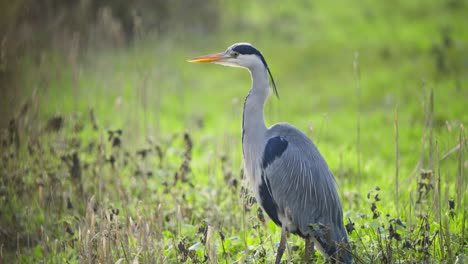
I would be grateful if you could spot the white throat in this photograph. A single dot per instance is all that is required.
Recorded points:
(253, 123)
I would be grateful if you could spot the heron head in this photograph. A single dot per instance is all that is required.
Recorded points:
(240, 55)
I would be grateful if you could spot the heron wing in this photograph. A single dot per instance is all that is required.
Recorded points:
(300, 183)
(273, 150)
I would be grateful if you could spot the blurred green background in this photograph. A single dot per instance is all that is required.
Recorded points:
(347, 73)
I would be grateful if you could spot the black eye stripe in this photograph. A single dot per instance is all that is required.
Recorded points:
(246, 49)
(251, 50)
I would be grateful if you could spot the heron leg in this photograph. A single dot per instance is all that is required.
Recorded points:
(282, 245)
(309, 247)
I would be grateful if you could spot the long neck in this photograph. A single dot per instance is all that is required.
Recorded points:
(253, 123)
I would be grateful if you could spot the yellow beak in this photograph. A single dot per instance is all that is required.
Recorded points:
(208, 58)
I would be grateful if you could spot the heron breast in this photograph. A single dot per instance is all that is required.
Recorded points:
(266, 200)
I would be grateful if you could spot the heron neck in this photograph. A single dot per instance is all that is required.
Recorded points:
(253, 125)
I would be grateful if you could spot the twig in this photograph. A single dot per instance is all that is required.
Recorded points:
(397, 163)
(358, 143)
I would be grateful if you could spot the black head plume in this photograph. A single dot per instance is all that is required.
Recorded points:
(248, 49)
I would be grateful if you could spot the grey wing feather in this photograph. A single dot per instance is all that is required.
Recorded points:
(303, 186)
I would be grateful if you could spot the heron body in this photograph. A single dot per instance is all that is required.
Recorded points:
(290, 178)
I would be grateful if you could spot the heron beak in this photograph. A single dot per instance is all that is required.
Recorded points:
(209, 58)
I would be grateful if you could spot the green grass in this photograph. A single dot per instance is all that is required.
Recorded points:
(150, 92)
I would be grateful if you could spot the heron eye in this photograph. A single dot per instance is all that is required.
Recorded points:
(235, 54)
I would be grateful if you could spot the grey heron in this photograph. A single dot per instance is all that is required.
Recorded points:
(290, 178)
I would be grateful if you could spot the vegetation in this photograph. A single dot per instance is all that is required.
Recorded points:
(121, 152)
